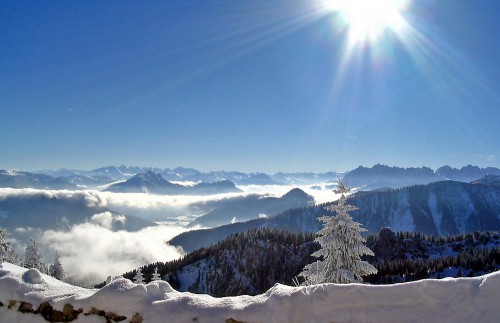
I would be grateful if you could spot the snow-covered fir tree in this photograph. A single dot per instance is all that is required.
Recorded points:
(139, 278)
(33, 258)
(56, 269)
(6, 251)
(341, 247)
(156, 275)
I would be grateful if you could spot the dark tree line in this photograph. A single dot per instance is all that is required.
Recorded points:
(252, 262)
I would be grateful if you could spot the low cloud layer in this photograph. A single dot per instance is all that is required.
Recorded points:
(162, 207)
(91, 251)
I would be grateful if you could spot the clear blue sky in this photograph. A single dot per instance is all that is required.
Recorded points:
(246, 85)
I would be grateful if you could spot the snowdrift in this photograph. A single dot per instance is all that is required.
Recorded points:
(446, 300)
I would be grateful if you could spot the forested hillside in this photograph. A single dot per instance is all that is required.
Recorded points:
(252, 262)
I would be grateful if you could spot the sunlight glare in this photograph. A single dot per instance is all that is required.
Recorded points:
(367, 20)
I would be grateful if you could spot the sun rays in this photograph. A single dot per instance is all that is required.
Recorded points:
(367, 21)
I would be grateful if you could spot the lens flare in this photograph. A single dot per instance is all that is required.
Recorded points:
(368, 20)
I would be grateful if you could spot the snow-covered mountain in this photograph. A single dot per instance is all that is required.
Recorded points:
(28, 296)
(251, 207)
(441, 208)
(19, 179)
(467, 173)
(151, 182)
(378, 176)
(382, 176)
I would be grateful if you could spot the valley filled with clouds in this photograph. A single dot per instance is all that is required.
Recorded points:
(116, 232)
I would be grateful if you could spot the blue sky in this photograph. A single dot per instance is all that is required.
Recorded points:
(246, 85)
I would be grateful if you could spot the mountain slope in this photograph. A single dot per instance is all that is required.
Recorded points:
(253, 261)
(247, 263)
(489, 180)
(441, 208)
(252, 206)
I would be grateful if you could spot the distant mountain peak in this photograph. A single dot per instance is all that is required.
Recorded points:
(152, 182)
(296, 193)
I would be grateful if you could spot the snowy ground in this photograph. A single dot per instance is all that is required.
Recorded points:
(446, 300)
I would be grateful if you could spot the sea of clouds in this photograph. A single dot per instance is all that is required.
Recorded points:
(92, 250)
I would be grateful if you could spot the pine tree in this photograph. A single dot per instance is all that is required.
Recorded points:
(33, 258)
(138, 278)
(6, 251)
(341, 247)
(156, 275)
(56, 269)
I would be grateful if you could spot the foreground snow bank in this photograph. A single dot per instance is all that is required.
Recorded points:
(446, 300)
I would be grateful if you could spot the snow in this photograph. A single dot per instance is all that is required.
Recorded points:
(446, 300)
(437, 216)
(401, 219)
(32, 276)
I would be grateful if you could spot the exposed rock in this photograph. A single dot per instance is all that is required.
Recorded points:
(137, 318)
(47, 311)
(12, 303)
(69, 313)
(109, 316)
(25, 307)
(115, 317)
(231, 320)
(95, 311)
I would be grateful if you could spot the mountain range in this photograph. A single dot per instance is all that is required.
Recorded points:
(151, 182)
(368, 178)
(382, 176)
(109, 174)
(440, 208)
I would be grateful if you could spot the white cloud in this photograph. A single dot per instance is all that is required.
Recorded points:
(319, 191)
(161, 207)
(90, 252)
(106, 219)
(90, 198)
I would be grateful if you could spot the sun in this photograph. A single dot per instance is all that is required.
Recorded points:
(368, 20)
